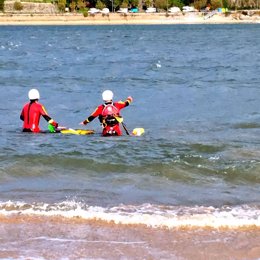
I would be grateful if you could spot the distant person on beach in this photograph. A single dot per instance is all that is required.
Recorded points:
(208, 8)
(32, 112)
(109, 114)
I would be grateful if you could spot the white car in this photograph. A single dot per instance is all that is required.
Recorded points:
(105, 11)
(150, 10)
(174, 9)
(188, 9)
(123, 10)
(94, 11)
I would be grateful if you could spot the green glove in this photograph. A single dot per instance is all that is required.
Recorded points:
(51, 128)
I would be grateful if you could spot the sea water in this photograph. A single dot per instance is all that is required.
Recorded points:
(189, 188)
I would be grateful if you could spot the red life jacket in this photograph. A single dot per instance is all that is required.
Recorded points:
(109, 114)
(109, 110)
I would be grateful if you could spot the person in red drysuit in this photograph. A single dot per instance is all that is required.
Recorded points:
(32, 112)
(109, 114)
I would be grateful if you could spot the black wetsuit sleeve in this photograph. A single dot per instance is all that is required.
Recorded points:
(47, 118)
(89, 119)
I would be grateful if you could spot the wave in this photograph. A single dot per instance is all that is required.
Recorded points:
(150, 215)
(247, 125)
(201, 162)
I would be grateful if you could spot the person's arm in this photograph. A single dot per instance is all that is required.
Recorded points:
(47, 117)
(22, 116)
(128, 101)
(96, 113)
(88, 120)
(50, 121)
(125, 103)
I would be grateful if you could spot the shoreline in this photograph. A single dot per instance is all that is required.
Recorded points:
(76, 238)
(124, 19)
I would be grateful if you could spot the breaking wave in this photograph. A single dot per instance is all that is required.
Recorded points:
(154, 216)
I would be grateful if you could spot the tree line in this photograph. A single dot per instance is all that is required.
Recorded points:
(160, 5)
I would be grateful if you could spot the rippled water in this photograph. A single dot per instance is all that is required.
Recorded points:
(196, 93)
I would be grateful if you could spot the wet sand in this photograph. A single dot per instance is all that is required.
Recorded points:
(57, 238)
(117, 18)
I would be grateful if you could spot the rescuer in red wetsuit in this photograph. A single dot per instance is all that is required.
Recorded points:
(109, 114)
(32, 112)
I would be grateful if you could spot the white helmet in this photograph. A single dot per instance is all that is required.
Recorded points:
(107, 95)
(33, 94)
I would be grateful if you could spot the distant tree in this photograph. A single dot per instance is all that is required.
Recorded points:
(62, 5)
(161, 4)
(225, 3)
(117, 3)
(178, 3)
(100, 5)
(148, 3)
(248, 4)
(140, 4)
(188, 2)
(124, 4)
(73, 6)
(199, 4)
(216, 4)
(112, 4)
(2, 5)
(81, 4)
(91, 3)
(18, 6)
(134, 3)
(165, 4)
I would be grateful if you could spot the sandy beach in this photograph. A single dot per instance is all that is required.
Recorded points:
(130, 18)
(78, 238)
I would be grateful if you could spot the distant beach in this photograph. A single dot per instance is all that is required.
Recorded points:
(129, 18)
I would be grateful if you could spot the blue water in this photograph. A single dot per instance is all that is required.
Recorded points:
(196, 93)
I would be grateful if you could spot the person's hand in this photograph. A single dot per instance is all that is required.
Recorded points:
(82, 123)
(130, 99)
(55, 124)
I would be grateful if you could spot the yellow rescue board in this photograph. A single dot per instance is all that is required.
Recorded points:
(77, 131)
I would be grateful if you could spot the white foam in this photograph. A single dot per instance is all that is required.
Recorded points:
(158, 64)
(62, 240)
(145, 214)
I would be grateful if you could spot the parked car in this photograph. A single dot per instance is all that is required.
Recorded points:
(134, 10)
(122, 10)
(105, 11)
(188, 9)
(150, 10)
(174, 9)
(94, 11)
